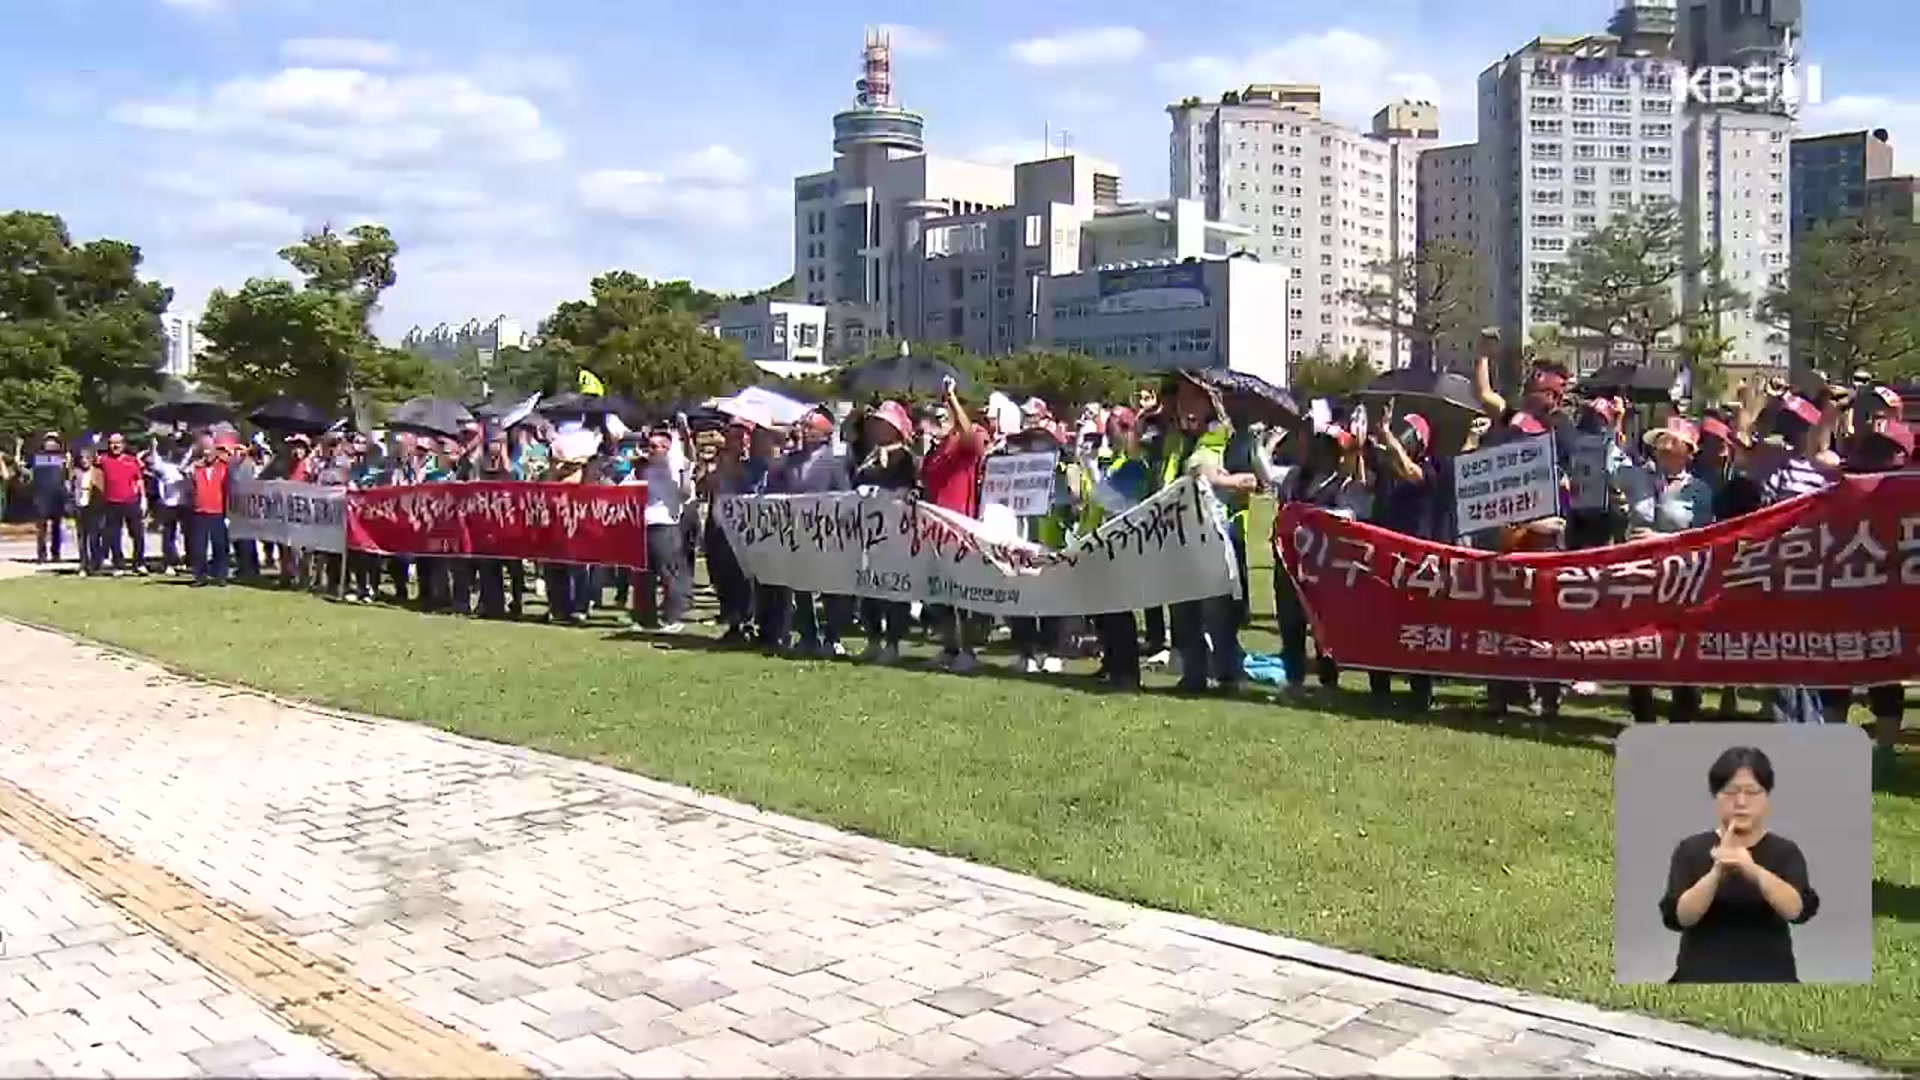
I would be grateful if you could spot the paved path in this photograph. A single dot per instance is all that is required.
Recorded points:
(373, 886)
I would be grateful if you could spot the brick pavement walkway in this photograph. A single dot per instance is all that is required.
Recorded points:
(581, 921)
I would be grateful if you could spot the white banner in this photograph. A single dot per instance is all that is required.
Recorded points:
(1506, 484)
(1587, 470)
(1169, 549)
(283, 512)
(1023, 483)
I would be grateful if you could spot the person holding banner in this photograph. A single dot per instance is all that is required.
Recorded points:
(1119, 485)
(1664, 496)
(1206, 632)
(1041, 640)
(950, 479)
(736, 471)
(887, 466)
(502, 582)
(662, 598)
(1404, 501)
(816, 467)
(1885, 445)
(772, 604)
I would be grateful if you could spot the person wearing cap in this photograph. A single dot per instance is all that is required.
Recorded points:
(815, 467)
(887, 466)
(1206, 632)
(1800, 462)
(950, 479)
(1406, 487)
(50, 472)
(1883, 444)
(1663, 496)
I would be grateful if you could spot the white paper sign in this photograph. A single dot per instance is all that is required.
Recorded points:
(1587, 470)
(1507, 484)
(1020, 482)
(282, 512)
(1171, 548)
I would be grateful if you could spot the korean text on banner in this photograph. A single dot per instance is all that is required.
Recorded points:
(1823, 590)
(600, 525)
(1509, 484)
(282, 512)
(1023, 483)
(1587, 470)
(1169, 549)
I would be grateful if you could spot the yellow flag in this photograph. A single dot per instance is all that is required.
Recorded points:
(591, 385)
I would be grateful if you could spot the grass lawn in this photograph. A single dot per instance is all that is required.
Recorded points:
(1437, 840)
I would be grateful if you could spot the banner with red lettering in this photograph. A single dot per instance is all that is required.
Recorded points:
(565, 523)
(1823, 590)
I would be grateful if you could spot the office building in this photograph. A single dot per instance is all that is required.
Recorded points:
(1204, 313)
(783, 337)
(1894, 197)
(1832, 174)
(1328, 202)
(850, 222)
(975, 279)
(181, 342)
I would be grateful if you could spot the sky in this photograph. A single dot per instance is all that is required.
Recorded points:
(516, 149)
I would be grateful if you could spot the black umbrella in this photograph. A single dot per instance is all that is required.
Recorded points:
(442, 417)
(1642, 384)
(592, 406)
(290, 416)
(190, 408)
(1251, 399)
(898, 375)
(1445, 398)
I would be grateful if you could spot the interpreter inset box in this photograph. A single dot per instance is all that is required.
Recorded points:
(1743, 853)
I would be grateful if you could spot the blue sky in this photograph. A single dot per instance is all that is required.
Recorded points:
(518, 148)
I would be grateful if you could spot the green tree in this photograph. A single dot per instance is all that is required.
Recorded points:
(1852, 298)
(1066, 381)
(314, 340)
(644, 340)
(1621, 282)
(83, 343)
(1429, 299)
(1319, 375)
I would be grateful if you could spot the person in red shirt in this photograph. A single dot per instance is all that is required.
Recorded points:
(122, 483)
(211, 547)
(950, 479)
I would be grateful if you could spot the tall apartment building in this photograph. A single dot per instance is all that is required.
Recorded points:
(1736, 206)
(1572, 132)
(1736, 33)
(182, 343)
(1325, 201)
(1451, 210)
(1832, 175)
(851, 221)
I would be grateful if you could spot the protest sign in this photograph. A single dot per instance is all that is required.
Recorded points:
(1587, 470)
(1023, 483)
(282, 512)
(1823, 590)
(601, 525)
(1508, 484)
(1171, 548)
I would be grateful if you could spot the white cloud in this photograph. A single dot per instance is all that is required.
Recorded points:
(341, 52)
(708, 188)
(1357, 74)
(913, 40)
(239, 220)
(361, 115)
(1081, 48)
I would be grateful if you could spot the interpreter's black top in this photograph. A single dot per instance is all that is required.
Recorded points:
(1740, 939)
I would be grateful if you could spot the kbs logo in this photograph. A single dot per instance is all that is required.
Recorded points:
(1759, 85)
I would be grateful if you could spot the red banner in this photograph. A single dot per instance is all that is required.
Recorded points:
(1823, 590)
(565, 523)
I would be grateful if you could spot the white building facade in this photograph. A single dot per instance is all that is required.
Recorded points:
(1327, 202)
(782, 337)
(181, 340)
(1200, 313)
(1737, 206)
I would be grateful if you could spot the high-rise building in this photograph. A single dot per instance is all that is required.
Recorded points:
(1452, 211)
(1737, 33)
(1735, 202)
(1328, 202)
(182, 343)
(1572, 132)
(850, 222)
(1832, 175)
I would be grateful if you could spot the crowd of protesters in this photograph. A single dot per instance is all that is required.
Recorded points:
(1385, 469)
